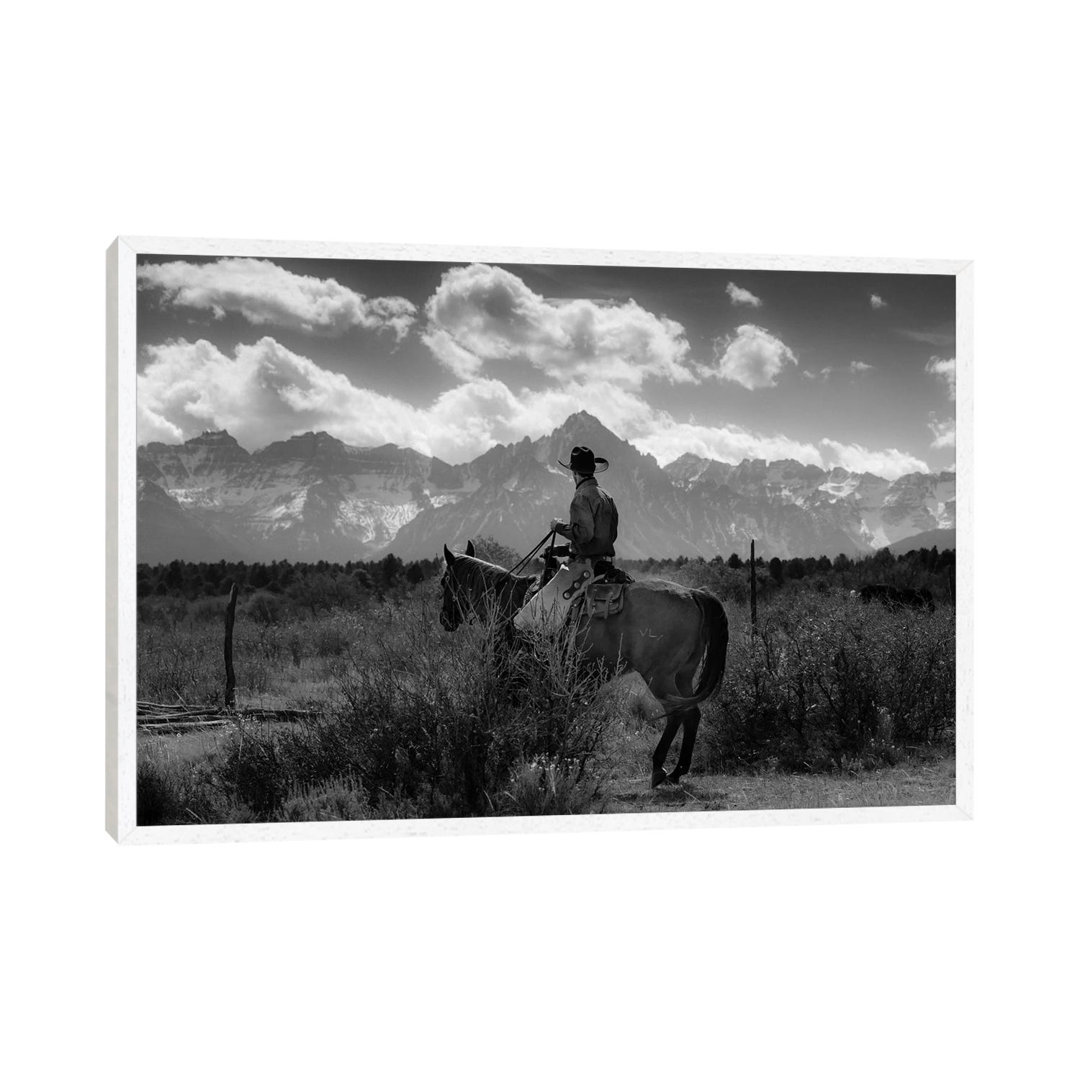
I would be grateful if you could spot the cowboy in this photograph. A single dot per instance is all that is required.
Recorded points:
(594, 519)
(591, 530)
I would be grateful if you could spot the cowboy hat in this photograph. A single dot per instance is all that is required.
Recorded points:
(582, 460)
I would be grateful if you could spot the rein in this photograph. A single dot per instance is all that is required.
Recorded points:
(547, 536)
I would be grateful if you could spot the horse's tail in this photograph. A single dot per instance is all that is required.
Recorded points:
(714, 630)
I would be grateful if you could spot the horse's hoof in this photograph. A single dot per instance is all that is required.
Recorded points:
(659, 777)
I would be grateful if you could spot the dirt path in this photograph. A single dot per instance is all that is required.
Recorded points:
(915, 784)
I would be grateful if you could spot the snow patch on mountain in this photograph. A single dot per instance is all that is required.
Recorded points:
(839, 489)
(374, 518)
(288, 510)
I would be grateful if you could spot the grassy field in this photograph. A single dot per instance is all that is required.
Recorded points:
(831, 703)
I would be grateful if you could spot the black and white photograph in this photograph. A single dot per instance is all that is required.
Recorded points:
(431, 538)
(343, 342)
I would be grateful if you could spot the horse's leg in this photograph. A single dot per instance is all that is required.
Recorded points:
(691, 718)
(660, 753)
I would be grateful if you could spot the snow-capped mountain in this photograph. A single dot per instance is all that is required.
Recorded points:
(313, 497)
(310, 497)
(870, 511)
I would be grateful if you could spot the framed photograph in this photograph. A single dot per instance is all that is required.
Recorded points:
(427, 540)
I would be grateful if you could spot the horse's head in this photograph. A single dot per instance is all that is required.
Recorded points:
(456, 604)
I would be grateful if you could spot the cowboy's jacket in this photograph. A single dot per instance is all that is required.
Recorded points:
(594, 521)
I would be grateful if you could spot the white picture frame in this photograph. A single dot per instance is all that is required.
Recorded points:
(121, 547)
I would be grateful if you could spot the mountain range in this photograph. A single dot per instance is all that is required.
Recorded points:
(313, 497)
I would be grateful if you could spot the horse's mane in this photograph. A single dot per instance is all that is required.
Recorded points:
(494, 569)
(482, 577)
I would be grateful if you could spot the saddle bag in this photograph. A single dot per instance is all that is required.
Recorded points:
(604, 599)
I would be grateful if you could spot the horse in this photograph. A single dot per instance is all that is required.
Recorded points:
(666, 632)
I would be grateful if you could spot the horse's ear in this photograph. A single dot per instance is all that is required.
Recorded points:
(449, 555)
(469, 549)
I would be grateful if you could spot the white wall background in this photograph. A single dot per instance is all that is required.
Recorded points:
(940, 130)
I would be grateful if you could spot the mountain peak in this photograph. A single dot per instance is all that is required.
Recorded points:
(311, 445)
(584, 429)
(212, 437)
(317, 437)
(580, 422)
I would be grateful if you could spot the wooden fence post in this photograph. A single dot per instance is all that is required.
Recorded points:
(753, 591)
(230, 675)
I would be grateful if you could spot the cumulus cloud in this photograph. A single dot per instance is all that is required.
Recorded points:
(876, 302)
(753, 357)
(889, 464)
(265, 392)
(741, 296)
(267, 294)
(669, 439)
(858, 366)
(944, 432)
(152, 426)
(945, 370)
(482, 315)
(261, 393)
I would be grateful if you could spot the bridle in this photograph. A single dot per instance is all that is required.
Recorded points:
(451, 615)
(458, 606)
(468, 595)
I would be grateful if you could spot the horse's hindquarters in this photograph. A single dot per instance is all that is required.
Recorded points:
(665, 632)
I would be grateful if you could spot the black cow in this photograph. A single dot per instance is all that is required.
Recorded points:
(895, 598)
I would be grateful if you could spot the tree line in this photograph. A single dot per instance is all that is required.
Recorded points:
(323, 585)
(317, 584)
(923, 568)
(924, 560)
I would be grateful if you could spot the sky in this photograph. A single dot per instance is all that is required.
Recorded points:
(855, 370)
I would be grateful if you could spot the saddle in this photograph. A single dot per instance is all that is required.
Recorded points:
(606, 572)
(573, 596)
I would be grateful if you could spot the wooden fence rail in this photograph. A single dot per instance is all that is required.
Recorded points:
(181, 717)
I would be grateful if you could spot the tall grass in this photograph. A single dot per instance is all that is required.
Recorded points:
(409, 720)
(419, 723)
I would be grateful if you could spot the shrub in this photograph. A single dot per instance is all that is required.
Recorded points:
(825, 684)
(181, 664)
(490, 550)
(208, 609)
(550, 786)
(172, 790)
(330, 641)
(164, 611)
(294, 642)
(431, 724)
(263, 607)
(339, 799)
